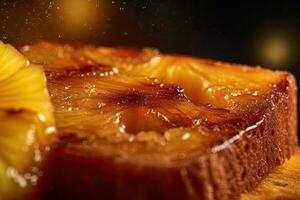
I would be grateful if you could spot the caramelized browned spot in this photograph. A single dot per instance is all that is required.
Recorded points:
(148, 94)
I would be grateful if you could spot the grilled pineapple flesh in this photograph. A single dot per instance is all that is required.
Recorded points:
(282, 183)
(26, 121)
(154, 106)
(207, 82)
(153, 118)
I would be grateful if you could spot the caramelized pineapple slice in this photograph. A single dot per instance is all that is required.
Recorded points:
(112, 87)
(26, 121)
(143, 116)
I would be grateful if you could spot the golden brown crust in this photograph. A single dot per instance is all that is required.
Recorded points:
(230, 166)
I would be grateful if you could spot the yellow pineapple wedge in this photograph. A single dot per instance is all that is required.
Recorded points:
(11, 61)
(26, 121)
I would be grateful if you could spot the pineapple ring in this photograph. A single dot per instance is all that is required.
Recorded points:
(78, 88)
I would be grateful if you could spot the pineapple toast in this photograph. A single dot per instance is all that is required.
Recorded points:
(138, 124)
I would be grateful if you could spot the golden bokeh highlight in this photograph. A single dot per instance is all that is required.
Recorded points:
(276, 51)
(77, 14)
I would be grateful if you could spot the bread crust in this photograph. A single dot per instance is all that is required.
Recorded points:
(223, 172)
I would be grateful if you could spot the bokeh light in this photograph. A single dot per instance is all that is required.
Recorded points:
(275, 48)
(276, 51)
(77, 17)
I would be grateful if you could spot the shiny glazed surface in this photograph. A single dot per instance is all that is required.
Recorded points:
(151, 106)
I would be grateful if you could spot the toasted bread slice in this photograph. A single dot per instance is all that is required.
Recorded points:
(137, 124)
(282, 184)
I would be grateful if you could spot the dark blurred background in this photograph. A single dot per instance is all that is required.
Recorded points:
(264, 33)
